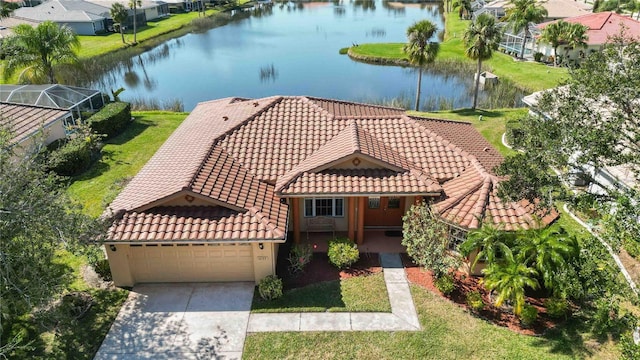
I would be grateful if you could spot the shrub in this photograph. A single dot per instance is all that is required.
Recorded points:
(537, 56)
(445, 284)
(474, 300)
(342, 252)
(103, 269)
(299, 257)
(529, 315)
(556, 307)
(632, 247)
(514, 133)
(270, 287)
(630, 351)
(112, 119)
(72, 157)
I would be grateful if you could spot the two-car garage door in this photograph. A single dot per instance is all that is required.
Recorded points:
(191, 262)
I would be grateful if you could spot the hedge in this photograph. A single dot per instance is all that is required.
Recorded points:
(72, 157)
(514, 133)
(111, 120)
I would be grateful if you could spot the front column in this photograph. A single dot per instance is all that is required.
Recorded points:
(362, 203)
(296, 219)
(351, 217)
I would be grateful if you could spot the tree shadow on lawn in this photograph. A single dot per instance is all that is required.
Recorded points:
(478, 112)
(316, 297)
(135, 128)
(567, 339)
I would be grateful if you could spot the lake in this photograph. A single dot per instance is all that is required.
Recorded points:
(289, 49)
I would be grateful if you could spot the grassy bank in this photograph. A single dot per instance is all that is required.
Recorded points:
(529, 76)
(123, 156)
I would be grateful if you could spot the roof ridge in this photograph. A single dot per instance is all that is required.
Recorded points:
(265, 220)
(309, 101)
(312, 98)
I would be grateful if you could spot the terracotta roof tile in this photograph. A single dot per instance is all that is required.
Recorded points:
(25, 120)
(602, 25)
(360, 181)
(189, 223)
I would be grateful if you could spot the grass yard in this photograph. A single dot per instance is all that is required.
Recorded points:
(530, 76)
(448, 332)
(122, 158)
(343, 295)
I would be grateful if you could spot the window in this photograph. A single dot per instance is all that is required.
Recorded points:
(324, 207)
(393, 203)
(374, 202)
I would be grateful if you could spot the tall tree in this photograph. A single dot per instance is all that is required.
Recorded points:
(39, 49)
(36, 221)
(420, 49)
(520, 14)
(554, 34)
(464, 8)
(119, 14)
(133, 5)
(481, 38)
(576, 36)
(591, 123)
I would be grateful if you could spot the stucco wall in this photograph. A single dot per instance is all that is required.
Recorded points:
(119, 263)
(264, 260)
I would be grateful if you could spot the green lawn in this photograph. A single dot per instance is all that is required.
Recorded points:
(448, 332)
(358, 294)
(530, 76)
(123, 156)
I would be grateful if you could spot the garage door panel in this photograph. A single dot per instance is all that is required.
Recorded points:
(192, 263)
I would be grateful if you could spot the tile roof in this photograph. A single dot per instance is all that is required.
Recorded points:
(189, 223)
(244, 155)
(25, 120)
(602, 25)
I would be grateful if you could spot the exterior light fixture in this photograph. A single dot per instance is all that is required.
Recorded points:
(112, 248)
(261, 246)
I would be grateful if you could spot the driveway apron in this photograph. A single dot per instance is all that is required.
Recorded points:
(181, 321)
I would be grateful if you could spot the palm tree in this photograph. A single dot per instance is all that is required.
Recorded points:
(133, 4)
(420, 50)
(520, 14)
(509, 280)
(38, 49)
(481, 38)
(464, 8)
(547, 250)
(491, 241)
(5, 9)
(119, 14)
(554, 35)
(576, 36)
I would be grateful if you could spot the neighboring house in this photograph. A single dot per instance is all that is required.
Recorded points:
(619, 177)
(31, 125)
(43, 113)
(238, 175)
(556, 9)
(600, 27)
(89, 17)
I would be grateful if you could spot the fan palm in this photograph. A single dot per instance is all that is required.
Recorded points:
(119, 14)
(576, 36)
(39, 49)
(554, 35)
(420, 50)
(508, 280)
(521, 14)
(481, 38)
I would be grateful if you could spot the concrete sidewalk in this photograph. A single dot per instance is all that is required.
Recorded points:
(403, 314)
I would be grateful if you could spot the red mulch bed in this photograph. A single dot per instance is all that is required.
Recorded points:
(464, 284)
(319, 269)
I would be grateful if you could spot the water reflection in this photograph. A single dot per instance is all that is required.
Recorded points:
(268, 73)
(365, 5)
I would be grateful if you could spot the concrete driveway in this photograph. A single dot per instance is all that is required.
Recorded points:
(181, 321)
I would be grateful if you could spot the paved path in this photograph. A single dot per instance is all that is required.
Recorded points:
(181, 321)
(402, 317)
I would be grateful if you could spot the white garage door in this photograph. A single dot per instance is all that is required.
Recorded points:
(191, 263)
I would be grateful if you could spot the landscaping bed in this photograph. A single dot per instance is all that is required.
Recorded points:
(465, 284)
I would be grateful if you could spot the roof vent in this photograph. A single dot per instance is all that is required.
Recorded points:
(486, 149)
(255, 104)
(225, 118)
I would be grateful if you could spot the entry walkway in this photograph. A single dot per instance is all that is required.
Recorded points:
(403, 314)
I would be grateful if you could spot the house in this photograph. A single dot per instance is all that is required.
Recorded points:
(556, 9)
(26, 110)
(239, 176)
(600, 27)
(89, 17)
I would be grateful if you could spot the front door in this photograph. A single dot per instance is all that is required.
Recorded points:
(384, 211)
